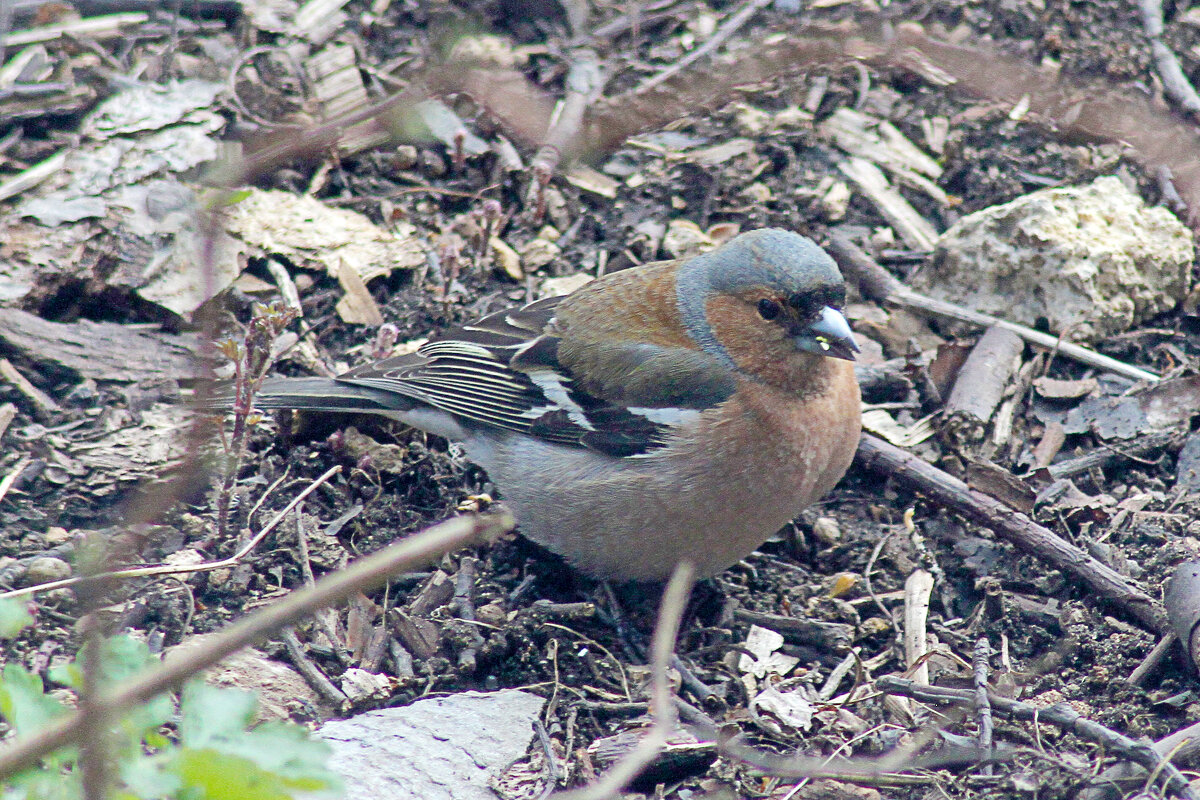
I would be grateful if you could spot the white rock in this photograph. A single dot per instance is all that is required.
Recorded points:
(1093, 260)
(443, 748)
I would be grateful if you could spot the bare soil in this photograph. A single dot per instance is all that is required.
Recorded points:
(1056, 641)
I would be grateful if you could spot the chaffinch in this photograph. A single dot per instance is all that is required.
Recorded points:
(681, 409)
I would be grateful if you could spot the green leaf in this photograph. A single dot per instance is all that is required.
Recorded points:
(211, 715)
(44, 784)
(66, 674)
(23, 703)
(149, 777)
(14, 617)
(122, 657)
(224, 776)
(216, 719)
(288, 750)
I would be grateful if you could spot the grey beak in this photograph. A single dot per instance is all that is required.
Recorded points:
(833, 335)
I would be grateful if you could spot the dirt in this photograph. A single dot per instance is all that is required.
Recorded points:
(1059, 642)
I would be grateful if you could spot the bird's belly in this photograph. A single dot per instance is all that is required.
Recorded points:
(711, 503)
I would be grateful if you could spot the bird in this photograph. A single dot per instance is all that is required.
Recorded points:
(678, 410)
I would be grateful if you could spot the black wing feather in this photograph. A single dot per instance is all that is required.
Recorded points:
(502, 371)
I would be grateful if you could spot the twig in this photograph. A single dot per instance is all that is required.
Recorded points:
(462, 605)
(1151, 662)
(878, 284)
(585, 81)
(830, 687)
(917, 590)
(6, 15)
(915, 230)
(727, 29)
(833, 636)
(687, 678)
(1059, 714)
(43, 404)
(317, 679)
(1175, 83)
(877, 455)
(8, 412)
(170, 569)
(227, 10)
(983, 707)
(670, 615)
(1146, 443)
(361, 576)
(28, 178)
(104, 27)
(1178, 747)
(324, 618)
(8, 480)
(870, 568)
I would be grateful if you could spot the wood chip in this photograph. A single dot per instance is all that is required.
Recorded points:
(980, 384)
(338, 87)
(9, 479)
(44, 402)
(589, 180)
(357, 306)
(28, 178)
(1187, 467)
(318, 20)
(917, 590)
(8, 412)
(997, 482)
(107, 26)
(1049, 445)
(1054, 389)
(916, 232)
(877, 141)
(508, 259)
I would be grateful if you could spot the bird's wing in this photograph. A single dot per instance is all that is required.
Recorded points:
(503, 371)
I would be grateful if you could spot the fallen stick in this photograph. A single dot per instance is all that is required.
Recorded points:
(879, 456)
(1101, 457)
(1060, 714)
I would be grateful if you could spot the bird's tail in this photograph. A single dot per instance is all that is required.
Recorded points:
(316, 394)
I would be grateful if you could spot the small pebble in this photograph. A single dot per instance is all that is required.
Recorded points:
(491, 614)
(55, 535)
(827, 531)
(46, 569)
(405, 157)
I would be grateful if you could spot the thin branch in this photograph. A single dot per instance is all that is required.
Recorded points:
(670, 614)
(983, 706)
(943, 488)
(364, 575)
(727, 29)
(1060, 714)
(878, 284)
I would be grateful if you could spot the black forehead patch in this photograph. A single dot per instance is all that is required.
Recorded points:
(811, 300)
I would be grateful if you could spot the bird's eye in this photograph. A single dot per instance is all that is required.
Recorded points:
(768, 308)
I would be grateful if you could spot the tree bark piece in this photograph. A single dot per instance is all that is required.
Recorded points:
(102, 351)
(981, 382)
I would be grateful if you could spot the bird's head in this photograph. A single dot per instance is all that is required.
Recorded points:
(784, 277)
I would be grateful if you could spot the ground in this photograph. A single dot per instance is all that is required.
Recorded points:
(1054, 638)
